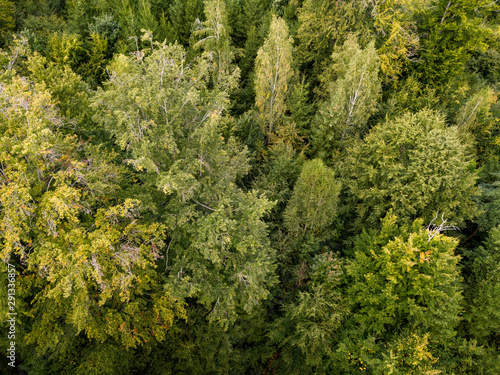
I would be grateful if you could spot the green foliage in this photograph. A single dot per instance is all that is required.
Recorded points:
(65, 49)
(216, 41)
(404, 284)
(307, 333)
(40, 29)
(251, 29)
(410, 95)
(6, 18)
(106, 26)
(399, 276)
(278, 177)
(312, 208)
(409, 355)
(352, 97)
(88, 266)
(484, 287)
(157, 200)
(415, 166)
(298, 104)
(455, 30)
(394, 21)
(477, 115)
(169, 123)
(324, 24)
(273, 73)
(489, 203)
(182, 14)
(68, 91)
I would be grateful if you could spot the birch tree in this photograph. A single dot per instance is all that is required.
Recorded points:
(352, 97)
(272, 74)
(215, 40)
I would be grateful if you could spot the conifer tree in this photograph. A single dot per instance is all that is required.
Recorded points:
(313, 205)
(182, 14)
(308, 332)
(455, 28)
(484, 287)
(414, 165)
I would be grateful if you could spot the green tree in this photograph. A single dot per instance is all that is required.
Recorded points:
(484, 286)
(323, 24)
(6, 18)
(395, 22)
(85, 259)
(215, 32)
(414, 165)
(69, 93)
(352, 97)
(308, 332)
(489, 203)
(182, 14)
(455, 28)
(273, 74)
(312, 209)
(404, 286)
(170, 125)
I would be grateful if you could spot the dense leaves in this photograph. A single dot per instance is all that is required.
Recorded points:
(414, 165)
(250, 186)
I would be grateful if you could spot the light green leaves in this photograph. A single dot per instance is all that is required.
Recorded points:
(313, 206)
(273, 73)
(352, 97)
(415, 166)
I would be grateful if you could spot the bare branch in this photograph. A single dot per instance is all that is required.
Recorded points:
(433, 230)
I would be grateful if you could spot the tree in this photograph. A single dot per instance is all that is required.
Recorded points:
(182, 14)
(484, 286)
(273, 73)
(455, 29)
(404, 286)
(68, 91)
(312, 208)
(324, 24)
(170, 126)
(352, 97)
(415, 166)
(84, 257)
(6, 17)
(308, 332)
(215, 32)
(394, 21)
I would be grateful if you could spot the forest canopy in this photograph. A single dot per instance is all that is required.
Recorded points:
(250, 187)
